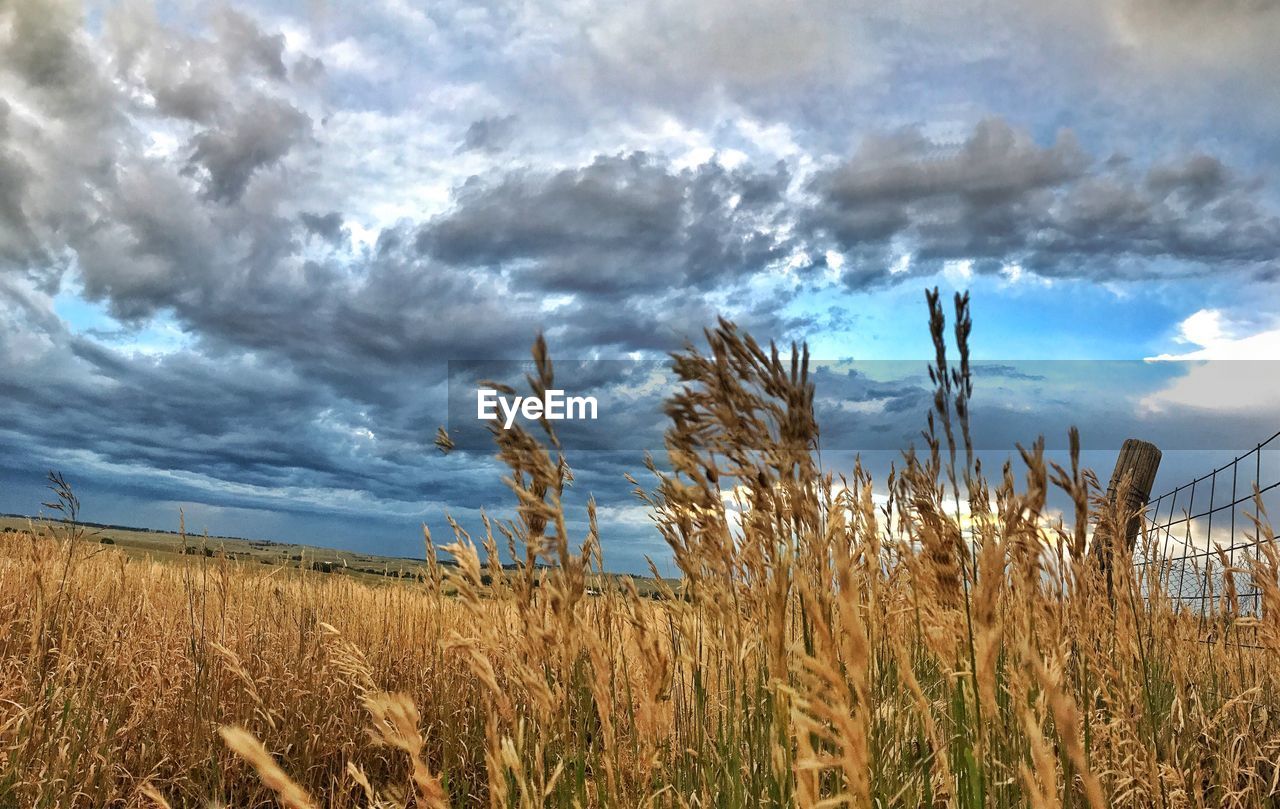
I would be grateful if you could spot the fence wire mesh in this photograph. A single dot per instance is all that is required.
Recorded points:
(1201, 536)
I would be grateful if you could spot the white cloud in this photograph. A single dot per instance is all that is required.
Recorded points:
(958, 272)
(1217, 337)
(1225, 373)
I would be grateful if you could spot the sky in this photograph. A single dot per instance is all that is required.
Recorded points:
(241, 244)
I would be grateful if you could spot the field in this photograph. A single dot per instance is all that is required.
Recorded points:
(140, 543)
(819, 650)
(144, 544)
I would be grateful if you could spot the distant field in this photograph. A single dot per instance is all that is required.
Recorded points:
(163, 545)
(166, 546)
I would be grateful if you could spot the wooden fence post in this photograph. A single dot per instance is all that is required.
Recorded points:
(1138, 461)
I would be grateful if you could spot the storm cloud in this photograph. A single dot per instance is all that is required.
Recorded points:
(622, 224)
(1000, 199)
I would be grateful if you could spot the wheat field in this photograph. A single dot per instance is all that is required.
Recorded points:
(823, 648)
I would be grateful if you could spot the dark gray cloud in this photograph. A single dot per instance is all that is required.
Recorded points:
(1006, 371)
(188, 76)
(491, 134)
(327, 226)
(245, 46)
(17, 242)
(259, 137)
(41, 46)
(1000, 199)
(621, 224)
(235, 419)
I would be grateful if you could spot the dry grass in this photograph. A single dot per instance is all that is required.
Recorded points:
(822, 650)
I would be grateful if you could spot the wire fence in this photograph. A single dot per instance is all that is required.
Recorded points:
(1202, 535)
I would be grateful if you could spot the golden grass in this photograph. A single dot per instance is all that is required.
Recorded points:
(820, 650)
